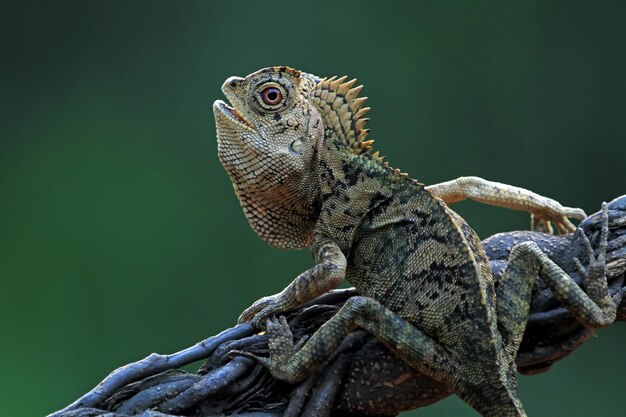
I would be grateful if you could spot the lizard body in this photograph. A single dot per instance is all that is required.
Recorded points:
(297, 153)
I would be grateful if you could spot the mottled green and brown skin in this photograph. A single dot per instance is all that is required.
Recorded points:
(295, 148)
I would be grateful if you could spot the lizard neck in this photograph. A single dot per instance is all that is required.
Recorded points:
(352, 186)
(340, 169)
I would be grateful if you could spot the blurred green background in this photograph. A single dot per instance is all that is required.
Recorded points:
(119, 231)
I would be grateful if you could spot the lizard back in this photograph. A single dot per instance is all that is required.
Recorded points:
(417, 257)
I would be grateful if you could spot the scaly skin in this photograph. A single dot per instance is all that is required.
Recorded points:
(295, 148)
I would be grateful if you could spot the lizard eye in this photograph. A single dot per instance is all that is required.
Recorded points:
(271, 96)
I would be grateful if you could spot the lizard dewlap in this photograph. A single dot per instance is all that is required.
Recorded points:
(296, 149)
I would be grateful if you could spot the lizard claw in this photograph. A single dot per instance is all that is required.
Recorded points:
(543, 221)
(263, 361)
(249, 313)
(262, 309)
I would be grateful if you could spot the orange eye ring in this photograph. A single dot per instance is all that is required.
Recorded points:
(271, 96)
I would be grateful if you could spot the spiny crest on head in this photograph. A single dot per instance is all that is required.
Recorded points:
(343, 111)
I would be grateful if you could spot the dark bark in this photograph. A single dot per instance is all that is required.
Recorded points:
(363, 378)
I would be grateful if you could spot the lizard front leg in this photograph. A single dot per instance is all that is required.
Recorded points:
(543, 209)
(328, 272)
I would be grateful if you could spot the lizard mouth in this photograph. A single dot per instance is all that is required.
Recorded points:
(230, 112)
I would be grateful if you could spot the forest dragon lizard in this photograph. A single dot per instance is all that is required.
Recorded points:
(295, 148)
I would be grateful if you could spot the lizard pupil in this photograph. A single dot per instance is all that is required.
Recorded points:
(271, 96)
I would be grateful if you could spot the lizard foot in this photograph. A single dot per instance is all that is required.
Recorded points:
(281, 347)
(542, 222)
(594, 277)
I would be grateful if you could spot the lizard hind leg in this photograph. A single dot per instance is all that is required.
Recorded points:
(288, 363)
(293, 363)
(595, 308)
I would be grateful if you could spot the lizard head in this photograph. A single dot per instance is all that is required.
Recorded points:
(282, 124)
(267, 143)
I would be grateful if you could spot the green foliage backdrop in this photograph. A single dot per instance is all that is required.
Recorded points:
(119, 231)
